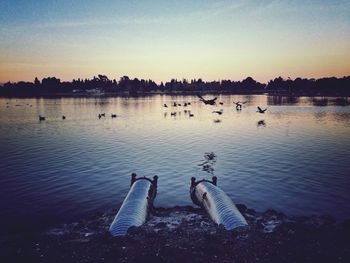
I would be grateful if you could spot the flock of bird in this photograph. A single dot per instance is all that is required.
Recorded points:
(42, 118)
(238, 105)
(104, 115)
(185, 104)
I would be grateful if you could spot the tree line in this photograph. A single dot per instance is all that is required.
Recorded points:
(125, 85)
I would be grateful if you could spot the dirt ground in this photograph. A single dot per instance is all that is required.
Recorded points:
(186, 234)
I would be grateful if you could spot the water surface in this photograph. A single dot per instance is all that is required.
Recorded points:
(294, 158)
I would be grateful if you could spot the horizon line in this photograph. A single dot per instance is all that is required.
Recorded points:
(177, 79)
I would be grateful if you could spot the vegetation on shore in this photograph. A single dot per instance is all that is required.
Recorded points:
(103, 85)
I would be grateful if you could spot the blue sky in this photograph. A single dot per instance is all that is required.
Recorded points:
(174, 39)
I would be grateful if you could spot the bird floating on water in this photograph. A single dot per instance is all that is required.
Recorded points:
(219, 111)
(165, 106)
(260, 110)
(261, 123)
(114, 115)
(102, 115)
(41, 118)
(63, 117)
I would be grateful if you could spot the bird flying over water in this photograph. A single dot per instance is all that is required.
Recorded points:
(239, 104)
(260, 110)
(210, 102)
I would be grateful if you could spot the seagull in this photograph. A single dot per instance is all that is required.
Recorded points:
(191, 115)
(41, 118)
(63, 117)
(261, 110)
(218, 111)
(174, 104)
(114, 115)
(103, 114)
(210, 102)
(221, 103)
(173, 114)
(165, 106)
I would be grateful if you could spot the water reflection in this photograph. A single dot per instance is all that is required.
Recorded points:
(303, 101)
(321, 116)
(282, 100)
(297, 162)
(341, 117)
(344, 101)
(320, 101)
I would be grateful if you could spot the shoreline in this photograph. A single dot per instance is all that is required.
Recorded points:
(175, 93)
(186, 234)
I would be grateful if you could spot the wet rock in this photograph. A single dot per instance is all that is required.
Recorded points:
(241, 207)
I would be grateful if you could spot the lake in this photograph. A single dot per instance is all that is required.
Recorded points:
(295, 158)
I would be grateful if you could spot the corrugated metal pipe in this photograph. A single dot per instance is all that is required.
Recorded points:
(134, 210)
(216, 202)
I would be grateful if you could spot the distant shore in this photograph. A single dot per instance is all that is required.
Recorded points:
(103, 86)
(173, 93)
(186, 234)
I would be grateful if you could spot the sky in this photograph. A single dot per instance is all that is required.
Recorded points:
(160, 40)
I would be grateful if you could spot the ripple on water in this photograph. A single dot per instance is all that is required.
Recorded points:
(297, 162)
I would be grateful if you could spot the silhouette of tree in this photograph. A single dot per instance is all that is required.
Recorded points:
(36, 81)
(277, 86)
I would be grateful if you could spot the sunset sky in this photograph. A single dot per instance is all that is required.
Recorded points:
(161, 40)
